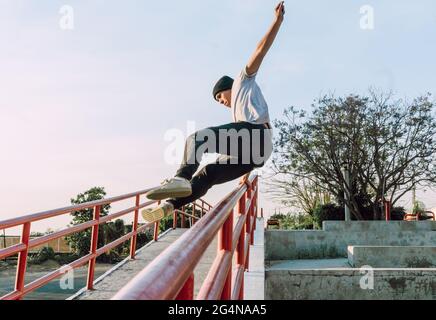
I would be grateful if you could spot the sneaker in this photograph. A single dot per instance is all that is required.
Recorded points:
(158, 213)
(171, 188)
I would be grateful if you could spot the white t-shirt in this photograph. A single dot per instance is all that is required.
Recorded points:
(248, 103)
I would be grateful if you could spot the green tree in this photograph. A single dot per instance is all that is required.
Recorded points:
(300, 193)
(80, 241)
(292, 221)
(387, 146)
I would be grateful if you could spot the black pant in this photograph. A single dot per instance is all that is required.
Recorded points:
(242, 146)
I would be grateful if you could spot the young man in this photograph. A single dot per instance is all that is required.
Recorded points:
(250, 121)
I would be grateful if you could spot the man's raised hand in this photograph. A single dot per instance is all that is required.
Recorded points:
(280, 11)
(266, 42)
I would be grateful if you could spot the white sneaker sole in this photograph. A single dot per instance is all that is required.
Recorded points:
(151, 215)
(159, 194)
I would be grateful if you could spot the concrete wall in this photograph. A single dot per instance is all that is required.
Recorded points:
(378, 226)
(344, 284)
(392, 257)
(59, 245)
(334, 240)
(287, 276)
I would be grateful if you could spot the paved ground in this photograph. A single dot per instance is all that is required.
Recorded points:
(111, 282)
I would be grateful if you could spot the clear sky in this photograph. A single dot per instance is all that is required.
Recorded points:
(91, 106)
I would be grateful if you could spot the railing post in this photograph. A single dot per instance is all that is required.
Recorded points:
(240, 253)
(247, 222)
(252, 210)
(134, 229)
(156, 230)
(193, 213)
(22, 258)
(256, 213)
(388, 210)
(156, 226)
(93, 248)
(187, 292)
(182, 225)
(248, 227)
(175, 219)
(225, 243)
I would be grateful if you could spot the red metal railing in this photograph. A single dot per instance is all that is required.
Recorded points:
(170, 276)
(26, 243)
(420, 216)
(387, 208)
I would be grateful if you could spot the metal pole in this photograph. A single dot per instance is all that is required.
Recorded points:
(413, 197)
(240, 252)
(93, 249)
(183, 218)
(22, 260)
(134, 229)
(225, 242)
(4, 239)
(346, 194)
(248, 230)
(388, 210)
(187, 292)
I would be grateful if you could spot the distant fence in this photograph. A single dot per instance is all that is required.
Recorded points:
(58, 245)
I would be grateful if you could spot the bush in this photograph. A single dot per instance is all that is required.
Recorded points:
(301, 221)
(141, 240)
(43, 255)
(398, 213)
(327, 212)
(110, 257)
(65, 258)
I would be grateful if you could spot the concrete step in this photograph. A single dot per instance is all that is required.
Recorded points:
(378, 226)
(334, 279)
(392, 256)
(308, 264)
(314, 244)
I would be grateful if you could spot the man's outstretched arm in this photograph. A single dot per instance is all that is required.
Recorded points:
(267, 41)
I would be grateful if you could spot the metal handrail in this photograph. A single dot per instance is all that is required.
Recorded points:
(170, 275)
(26, 243)
(188, 215)
(417, 216)
(6, 224)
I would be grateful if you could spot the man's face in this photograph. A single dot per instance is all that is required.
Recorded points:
(224, 97)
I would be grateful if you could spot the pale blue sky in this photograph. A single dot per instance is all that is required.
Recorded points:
(91, 106)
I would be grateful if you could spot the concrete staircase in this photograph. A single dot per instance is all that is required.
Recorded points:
(352, 260)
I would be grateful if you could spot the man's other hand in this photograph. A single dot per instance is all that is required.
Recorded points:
(246, 181)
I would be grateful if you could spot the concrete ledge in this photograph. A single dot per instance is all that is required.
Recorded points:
(288, 245)
(345, 284)
(392, 256)
(309, 264)
(378, 226)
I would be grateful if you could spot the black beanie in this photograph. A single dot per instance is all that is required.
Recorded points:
(223, 84)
